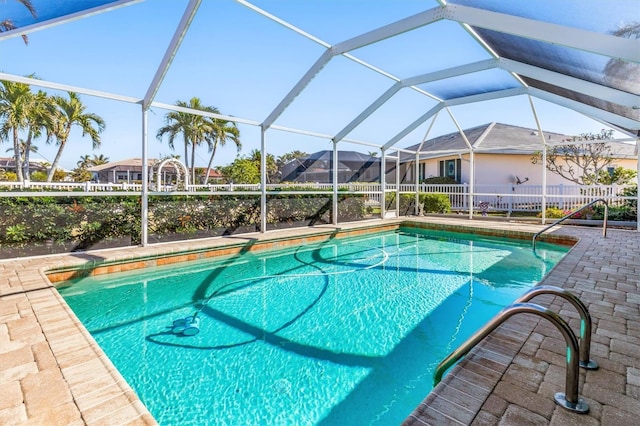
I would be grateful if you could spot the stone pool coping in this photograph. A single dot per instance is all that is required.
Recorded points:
(51, 368)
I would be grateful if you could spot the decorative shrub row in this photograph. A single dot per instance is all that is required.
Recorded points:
(40, 225)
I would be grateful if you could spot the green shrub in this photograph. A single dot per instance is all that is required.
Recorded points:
(39, 176)
(8, 176)
(439, 180)
(432, 203)
(435, 203)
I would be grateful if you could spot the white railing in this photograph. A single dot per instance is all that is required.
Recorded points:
(69, 186)
(489, 197)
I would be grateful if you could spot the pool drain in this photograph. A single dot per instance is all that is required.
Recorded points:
(282, 386)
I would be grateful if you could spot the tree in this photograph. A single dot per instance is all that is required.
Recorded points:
(272, 167)
(242, 170)
(288, 157)
(15, 102)
(87, 161)
(8, 24)
(81, 174)
(223, 131)
(72, 112)
(98, 160)
(194, 129)
(581, 163)
(40, 119)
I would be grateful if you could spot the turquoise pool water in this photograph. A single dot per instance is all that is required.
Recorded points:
(347, 331)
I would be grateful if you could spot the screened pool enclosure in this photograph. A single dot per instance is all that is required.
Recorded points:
(312, 76)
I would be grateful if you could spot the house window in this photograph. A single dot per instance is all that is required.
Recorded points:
(422, 171)
(452, 169)
(611, 171)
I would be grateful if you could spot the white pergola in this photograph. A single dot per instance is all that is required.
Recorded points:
(496, 31)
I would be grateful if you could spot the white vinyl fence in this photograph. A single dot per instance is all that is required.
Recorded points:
(486, 197)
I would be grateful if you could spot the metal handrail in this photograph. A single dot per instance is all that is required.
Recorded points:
(557, 222)
(570, 398)
(585, 319)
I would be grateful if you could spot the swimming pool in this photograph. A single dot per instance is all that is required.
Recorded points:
(347, 331)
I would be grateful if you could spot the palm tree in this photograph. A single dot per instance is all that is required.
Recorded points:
(8, 24)
(99, 159)
(255, 156)
(223, 131)
(40, 118)
(15, 102)
(84, 162)
(195, 129)
(72, 112)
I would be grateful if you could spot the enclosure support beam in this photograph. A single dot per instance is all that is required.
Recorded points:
(145, 182)
(416, 209)
(544, 161)
(263, 180)
(398, 184)
(299, 87)
(334, 201)
(576, 38)
(170, 53)
(411, 127)
(588, 110)
(418, 151)
(638, 185)
(472, 172)
(608, 94)
(383, 182)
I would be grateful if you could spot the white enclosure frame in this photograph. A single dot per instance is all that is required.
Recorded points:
(602, 44)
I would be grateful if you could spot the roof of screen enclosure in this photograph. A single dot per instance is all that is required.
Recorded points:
(579, 54)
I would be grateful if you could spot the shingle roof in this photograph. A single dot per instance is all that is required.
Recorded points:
(501, 138)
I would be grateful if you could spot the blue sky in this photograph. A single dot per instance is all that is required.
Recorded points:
(244, 64)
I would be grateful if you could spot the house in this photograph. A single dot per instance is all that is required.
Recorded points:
(123, 171)
(9, 164)
(215, 177)
(317, 167)
(502, 155)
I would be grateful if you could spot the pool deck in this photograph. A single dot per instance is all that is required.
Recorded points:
(53, 373)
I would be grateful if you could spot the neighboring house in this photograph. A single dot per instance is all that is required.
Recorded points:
(215, 177)
(502, 155)
(352, 167)
(130, 171)
(9, 164)
(123, 171)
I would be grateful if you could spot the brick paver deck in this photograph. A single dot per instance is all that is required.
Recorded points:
(53, 373)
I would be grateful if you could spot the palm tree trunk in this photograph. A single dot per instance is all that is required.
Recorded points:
(213, 153)
(62, 140)
(56, 160)
(27, 151)
(193, 162)
(186, 154)
(17, 155)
